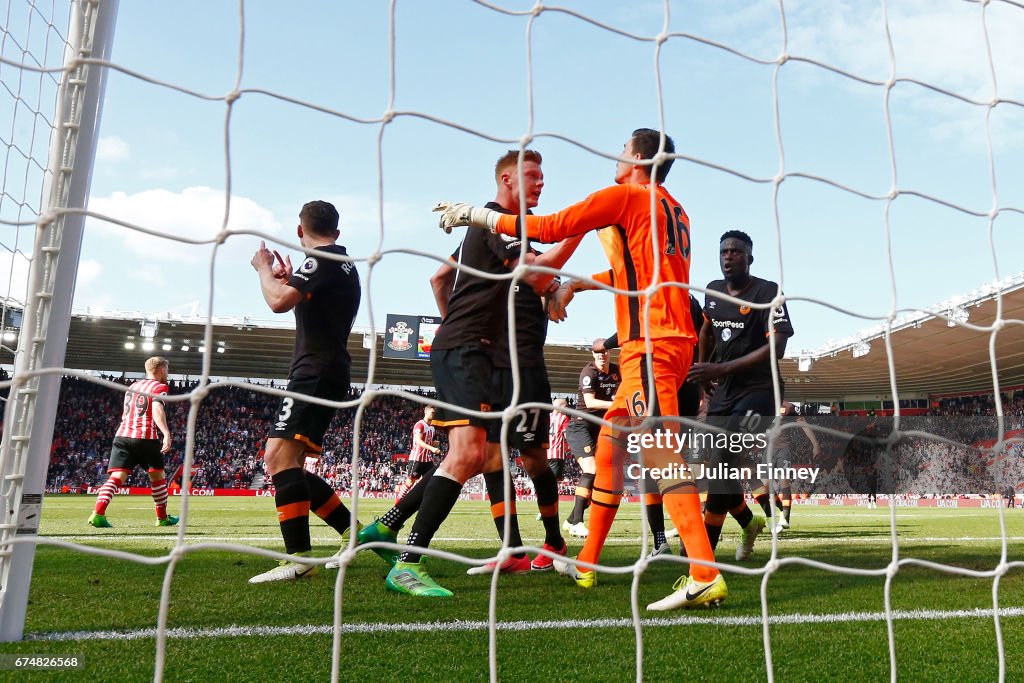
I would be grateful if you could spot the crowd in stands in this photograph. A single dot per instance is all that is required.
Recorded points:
(957, 458)
(231, 429)
(232, 425)
(982, 406)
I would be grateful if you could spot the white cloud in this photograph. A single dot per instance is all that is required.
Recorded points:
(89, 271)
(112, 149)
(17, 265)
(153, 275)
(160, 172)
(195, 213)
(941, 44)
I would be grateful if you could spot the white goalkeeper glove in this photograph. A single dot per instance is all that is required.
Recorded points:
(457, 214)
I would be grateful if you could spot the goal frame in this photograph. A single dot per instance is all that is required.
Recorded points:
(42, 342)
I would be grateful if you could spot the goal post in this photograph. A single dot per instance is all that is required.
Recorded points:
(56, 245)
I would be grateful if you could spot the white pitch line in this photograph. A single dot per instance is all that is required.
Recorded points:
(457, 626)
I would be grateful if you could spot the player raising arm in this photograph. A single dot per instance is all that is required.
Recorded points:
(469, 361)
(625, 211)
(324, 294)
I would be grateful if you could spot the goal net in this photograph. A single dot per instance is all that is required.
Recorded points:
(872, 152)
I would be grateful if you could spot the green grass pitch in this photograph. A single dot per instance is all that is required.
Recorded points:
(826, 626)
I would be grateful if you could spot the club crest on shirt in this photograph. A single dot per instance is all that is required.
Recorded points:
(744, 310)
(400, 335)
(309, 266)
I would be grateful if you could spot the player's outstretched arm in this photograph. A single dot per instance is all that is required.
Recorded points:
(599, 210)
(460, 214)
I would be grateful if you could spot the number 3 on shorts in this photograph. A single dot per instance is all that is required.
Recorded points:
(286, 409)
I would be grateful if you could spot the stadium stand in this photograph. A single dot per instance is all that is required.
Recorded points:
(233, 422)
(231, 429)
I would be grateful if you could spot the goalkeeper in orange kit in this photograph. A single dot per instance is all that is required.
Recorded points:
(629, 217)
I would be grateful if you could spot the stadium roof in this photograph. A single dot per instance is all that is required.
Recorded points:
(930, 357)
(931, 354)
(252, 349)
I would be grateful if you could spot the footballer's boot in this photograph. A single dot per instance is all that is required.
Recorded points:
(336, 561)
(513, 565)
(169, 520)
(687, 593)
(579, 530)
(543, 563)
(663, 549)
(412, 578)
(582, 577)
(99, 521)
(748, 535)
(377, 532)
(286, 571)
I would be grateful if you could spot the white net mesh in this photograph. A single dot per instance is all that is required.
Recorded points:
(430, 110)
(30, 39)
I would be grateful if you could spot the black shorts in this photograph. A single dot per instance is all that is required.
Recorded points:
(417, 469)
(752, 413)
(128, 453)
(462, 377)
(557, 468)
(754, 404)
(307, 422)
(582, 438)
(529, 428)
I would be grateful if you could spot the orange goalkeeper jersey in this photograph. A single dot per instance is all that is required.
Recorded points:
(624, 213)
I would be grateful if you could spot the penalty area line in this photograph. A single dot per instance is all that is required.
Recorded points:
(459, 626)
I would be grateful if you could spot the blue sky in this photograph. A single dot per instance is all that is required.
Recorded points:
(161, 161)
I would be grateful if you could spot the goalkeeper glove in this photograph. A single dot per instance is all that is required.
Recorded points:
(457, 214)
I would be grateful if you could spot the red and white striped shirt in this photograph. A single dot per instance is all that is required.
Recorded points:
(558, 447)
(137, 418)
(419, 453)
